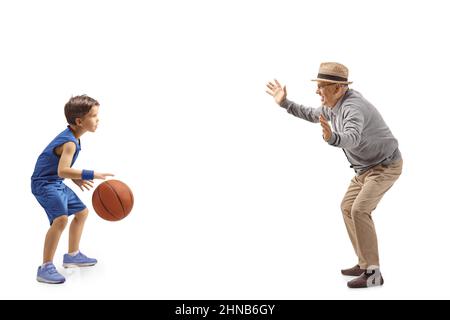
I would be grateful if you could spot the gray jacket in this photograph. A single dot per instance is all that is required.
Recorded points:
(358, 129)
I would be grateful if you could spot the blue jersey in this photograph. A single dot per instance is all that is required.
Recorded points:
(46, 168)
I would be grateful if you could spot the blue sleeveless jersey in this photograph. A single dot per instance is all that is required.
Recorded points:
(46, 168)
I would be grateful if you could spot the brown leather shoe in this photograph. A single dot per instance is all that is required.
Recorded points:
(366, 280)
(355, 271)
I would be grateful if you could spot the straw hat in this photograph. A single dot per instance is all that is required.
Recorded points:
(333, 72)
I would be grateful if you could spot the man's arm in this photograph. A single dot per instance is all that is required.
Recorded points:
(279, 93)
(306, 113)
(353, 123)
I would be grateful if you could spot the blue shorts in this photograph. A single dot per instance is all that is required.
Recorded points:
(57, 199)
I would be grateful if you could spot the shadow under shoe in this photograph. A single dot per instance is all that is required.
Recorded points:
(371, 278)
(355, 271)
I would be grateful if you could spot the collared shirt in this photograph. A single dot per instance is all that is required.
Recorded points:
(358, 129)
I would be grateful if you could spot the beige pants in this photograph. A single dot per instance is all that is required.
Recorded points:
(362, 197)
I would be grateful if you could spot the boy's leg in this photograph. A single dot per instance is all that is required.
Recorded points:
(52, 237)
(75, 258)
(76, 230)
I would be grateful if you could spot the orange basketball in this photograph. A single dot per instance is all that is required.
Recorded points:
(112, 200)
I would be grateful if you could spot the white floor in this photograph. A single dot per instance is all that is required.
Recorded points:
(284, 256)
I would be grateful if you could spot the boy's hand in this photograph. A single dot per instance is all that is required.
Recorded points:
(103, 176)
(87, 184)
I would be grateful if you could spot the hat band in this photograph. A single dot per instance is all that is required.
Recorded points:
(330, 77)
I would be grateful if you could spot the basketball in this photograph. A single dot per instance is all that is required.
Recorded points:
(112, 200)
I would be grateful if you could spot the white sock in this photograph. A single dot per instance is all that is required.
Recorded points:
(45, 263)
(73, 254)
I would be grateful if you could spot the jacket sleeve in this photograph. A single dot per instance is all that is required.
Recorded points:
(353, 122)
(306, 113)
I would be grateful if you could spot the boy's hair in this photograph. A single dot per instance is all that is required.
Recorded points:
(78, 106)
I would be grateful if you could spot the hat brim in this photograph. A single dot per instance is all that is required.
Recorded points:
(332, 81)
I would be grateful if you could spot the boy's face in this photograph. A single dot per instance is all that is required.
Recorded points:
(90, 121)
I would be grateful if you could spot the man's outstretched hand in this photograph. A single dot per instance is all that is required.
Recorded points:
(278, 92)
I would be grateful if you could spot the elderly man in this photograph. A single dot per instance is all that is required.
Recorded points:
(358, 128)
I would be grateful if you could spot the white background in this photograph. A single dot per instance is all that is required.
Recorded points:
(234, 198)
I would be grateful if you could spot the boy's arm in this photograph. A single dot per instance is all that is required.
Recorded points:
(64, 169)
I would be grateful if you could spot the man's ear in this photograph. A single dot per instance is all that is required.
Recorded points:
(78, 121)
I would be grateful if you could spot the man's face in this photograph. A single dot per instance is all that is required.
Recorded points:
(326, 91)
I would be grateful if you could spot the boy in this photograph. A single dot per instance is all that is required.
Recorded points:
(59, 201)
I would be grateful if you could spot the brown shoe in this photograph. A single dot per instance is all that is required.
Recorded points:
(366, 280)
(355, 271)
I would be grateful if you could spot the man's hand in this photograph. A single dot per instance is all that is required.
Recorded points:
(276, 91)
(87, 184)
(326, 129)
